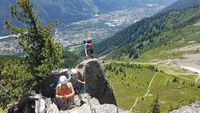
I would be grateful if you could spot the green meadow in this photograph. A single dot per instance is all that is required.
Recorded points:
(131, 81)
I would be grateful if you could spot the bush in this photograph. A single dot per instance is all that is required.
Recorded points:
(15, 81)
(175, 79)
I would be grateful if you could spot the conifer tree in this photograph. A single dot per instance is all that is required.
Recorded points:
(156, 106)
(42, 54)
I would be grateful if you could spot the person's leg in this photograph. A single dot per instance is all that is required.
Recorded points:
(80, 97)
(78, 93)
(61, 104)
(92, 53)
(71, 103)
(86, 53)
(67, 104)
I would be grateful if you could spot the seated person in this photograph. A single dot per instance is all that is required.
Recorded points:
(64, 93)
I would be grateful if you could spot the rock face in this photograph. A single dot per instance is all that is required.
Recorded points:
(194, 108)
(98, 94)
(97, 84)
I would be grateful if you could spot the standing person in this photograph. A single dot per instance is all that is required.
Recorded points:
(88, 48)
(64, 93)
(77, 84)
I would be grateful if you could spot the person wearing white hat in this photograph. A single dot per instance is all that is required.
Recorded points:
(78, 88)
(65, 92)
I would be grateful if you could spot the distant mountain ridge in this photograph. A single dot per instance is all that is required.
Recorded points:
(67, 11)
(181, 4)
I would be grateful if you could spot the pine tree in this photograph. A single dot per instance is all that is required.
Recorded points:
(156, 106)
(42, 54)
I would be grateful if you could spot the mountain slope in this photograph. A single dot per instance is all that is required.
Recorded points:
(149, 33)
(67, 11)
(181, 4)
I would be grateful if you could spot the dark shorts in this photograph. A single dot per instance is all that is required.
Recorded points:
(64, 104)
(79, 89)
(90, 51)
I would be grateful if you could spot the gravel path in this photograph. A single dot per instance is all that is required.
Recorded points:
(146, 94)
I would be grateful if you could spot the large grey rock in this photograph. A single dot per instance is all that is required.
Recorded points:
(86, 108)
(98, 94)
(48, 105)
(97, 85)
(194, 108)
(43, 105)
(92, 105)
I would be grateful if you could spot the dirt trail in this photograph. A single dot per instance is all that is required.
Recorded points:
(146, 94)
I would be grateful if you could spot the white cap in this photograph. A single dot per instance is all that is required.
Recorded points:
(63, 79)
(74, 71)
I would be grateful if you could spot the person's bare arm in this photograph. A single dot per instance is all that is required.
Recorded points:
(81, 81)
(57, 93)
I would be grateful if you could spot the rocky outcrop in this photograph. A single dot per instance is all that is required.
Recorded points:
(90, 71)
(194, 108)
(98, 94)
(41, 104)
(93, 72)
(93, 106)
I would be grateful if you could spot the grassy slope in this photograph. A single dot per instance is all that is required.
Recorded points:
(133, 81)
(158, 31)
(179, 38)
